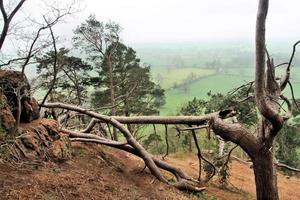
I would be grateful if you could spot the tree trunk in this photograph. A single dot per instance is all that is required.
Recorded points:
(265, 177)
(126, 112)
(112, 94)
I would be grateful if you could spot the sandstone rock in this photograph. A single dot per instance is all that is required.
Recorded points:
(7, 120)
(42, 141)
(10, 83)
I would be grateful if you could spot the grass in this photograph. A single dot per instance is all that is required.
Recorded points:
(169, 77)
(176, 98)
(218, 83)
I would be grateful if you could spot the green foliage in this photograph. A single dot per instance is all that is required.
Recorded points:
(194, 107)
(288, 142)
(93, 37)
(73, 77)
(135, 91)
(218, 102)
(121, 79)
(224, 175)
(153, 142)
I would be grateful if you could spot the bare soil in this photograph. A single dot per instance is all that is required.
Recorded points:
(96, 172)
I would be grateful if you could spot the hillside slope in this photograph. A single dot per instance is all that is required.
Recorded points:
(96, 172)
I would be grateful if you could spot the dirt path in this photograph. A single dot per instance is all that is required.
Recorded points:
(242, 178)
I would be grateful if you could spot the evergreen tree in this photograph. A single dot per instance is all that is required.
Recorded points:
(136, 93)
(73, 77)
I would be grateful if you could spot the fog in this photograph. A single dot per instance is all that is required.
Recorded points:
(180, 21)
(146, 21)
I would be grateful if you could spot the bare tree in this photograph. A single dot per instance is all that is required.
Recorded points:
(7, 18)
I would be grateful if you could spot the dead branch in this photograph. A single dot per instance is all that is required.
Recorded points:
(90, 126)
(278, 164)
(54, 63)
(241, 160)
(286, 77)
(281, 64)
(194, 128)
(167, 141)
(195, 120)
(293, 95)
(201, 157)
(289, 105)
(265, 108)
(281, 165)
(184, 182)
(7, 18)
(228, 156)
(231, 132)
(156, 139)
(130, 139)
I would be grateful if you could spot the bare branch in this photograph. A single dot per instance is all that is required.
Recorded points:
(194, 128)
(293, 95)
(7, 19)
(184, 182)
(262, 103)
(281, 64)
(287, 167)
(289, 105)
(54, 63)
(167, 141)
(196, 120)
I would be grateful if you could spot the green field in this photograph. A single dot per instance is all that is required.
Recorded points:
(168, 76)
(216, 83)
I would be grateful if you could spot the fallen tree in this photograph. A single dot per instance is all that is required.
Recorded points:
(184, 182)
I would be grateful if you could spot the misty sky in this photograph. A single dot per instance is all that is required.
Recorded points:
(194, 20)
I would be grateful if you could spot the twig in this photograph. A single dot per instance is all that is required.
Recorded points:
(194, 128)
(293, 95)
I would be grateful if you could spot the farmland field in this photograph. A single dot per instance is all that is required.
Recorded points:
(210, 81)
(167, 77)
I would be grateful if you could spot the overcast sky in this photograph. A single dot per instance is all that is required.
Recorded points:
(168, 21)
(146, 21)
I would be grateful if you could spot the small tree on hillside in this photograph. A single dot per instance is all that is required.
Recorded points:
(72, 76)
(94, 37)
(135, 92)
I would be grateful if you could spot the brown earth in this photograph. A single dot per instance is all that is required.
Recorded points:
(96, 172)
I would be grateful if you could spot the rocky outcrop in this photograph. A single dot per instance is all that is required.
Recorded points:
(34, 139)
(41, 141)
(12, 83)
(7, 120)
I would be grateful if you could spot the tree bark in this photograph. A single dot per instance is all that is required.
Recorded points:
(112, 93)
(265, 177)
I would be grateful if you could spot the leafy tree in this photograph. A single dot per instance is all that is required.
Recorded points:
(136, 93)
(98, 40)
(288, 142)
(246, 109)
(73, 76)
